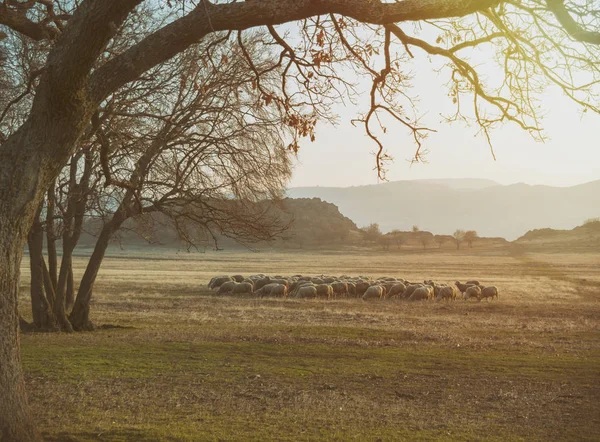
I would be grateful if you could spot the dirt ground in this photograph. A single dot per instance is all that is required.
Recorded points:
(189, 365)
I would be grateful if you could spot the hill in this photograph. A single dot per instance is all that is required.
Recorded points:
(584, 237)
(443, 206)
(312, 223)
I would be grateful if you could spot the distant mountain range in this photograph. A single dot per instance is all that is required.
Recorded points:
(444, 205)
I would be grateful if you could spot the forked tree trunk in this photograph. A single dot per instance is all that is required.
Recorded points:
(80, 315)
(51, 238)
(43, 318)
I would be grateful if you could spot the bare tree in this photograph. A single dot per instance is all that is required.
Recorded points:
(440, 240)
(538, 42)
(399, 237)
(459, 236)
(470, 237)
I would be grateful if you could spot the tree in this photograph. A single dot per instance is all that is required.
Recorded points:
(371, 233)
(425, 240)
(385, 241)
(459, 236)
(440, 240)
(79, 75)
(415, 229)
(470, 237)
(399, 238)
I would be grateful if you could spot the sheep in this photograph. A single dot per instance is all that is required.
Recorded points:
(351, 289)
(397, 289)
(361, 288)
(473, 291)
(243, 287)
(238, 278)
(340, 288)
(217, 281)
(226, 287)
(265, 290)
(446, 292)
(463, 287)
(325, 291)
(410, 289)
(420, 293)
(279, 290)
(306, 291)
(292, 292)
(375, 291)
(283, 281)
(260, 283)
(489, 292)
(473, 282)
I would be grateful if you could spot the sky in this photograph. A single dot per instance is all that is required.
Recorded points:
(342, 155)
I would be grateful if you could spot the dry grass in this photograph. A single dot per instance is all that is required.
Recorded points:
(198, 367)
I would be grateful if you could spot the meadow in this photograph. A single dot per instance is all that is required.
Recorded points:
(183, 364)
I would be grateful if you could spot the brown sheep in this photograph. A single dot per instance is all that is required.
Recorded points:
(325, 291)
(446, 292)
(375, 291)
(422, 293)
(243, 287)
(229, 286)
(396, 290)
(489, 292)
(472, 292)
(280, 290)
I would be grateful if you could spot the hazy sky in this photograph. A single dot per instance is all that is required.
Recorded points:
(342, 156)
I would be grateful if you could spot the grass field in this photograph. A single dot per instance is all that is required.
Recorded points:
(189, 365)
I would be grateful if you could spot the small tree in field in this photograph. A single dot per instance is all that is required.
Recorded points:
(371, 233)
(398, 237)
(440, 240)
(470, 237)
(459, 236)
(415, 229)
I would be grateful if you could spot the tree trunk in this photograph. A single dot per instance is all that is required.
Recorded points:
(43, 318)
(79, 316)
(51, 238)
(60, 301)
(70, 295)
(16, 217)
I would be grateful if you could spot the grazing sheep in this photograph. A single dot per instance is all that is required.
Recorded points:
(340, 288)
(243, 287)
(226, 287)
(361, 288)
(238, 278)
(325, 291)
(375, 291)
(283, 281)
(217, 281)
(265, 290)
(446, 292)
(259, 284)
(396, 290)
(463, 287)
(421, 293)
(280, 290)
(473, 282)
(489, 292)
(410, 289)
(306, 291)
(351, 289)
(473, 291)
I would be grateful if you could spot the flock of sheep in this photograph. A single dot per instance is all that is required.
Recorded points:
(331, 287)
